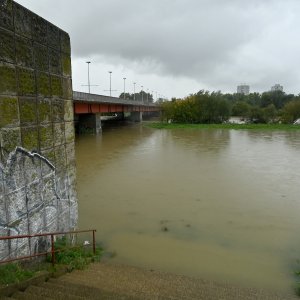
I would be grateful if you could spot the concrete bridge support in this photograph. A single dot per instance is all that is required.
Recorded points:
(90, 123)
(136, 116)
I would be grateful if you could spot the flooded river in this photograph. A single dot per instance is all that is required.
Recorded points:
(216, 204)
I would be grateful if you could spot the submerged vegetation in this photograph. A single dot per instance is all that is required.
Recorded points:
(225, 126)
(216, 108)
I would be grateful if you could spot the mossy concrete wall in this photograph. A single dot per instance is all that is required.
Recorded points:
(37, 159)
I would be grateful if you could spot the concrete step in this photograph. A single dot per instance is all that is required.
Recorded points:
(44, 292)
(28, 296)
(83, 290)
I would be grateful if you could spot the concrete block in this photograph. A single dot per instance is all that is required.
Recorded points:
(8, 83)
(43, 84)
(7, 49)
(30, 138)
(22, 21)
(56, 86)
(44, 110)
(6, 14)
(58, 110)
(10, 139)
(24, 52)
(69, 113)
(28, 111)
(27, 83)
(41, 57)
(55, 62)
(59, 133)
(9, 112)
(46, 137)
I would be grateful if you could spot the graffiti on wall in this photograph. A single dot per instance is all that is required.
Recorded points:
(33, 199)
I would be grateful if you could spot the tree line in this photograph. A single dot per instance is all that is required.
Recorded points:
(215, 107)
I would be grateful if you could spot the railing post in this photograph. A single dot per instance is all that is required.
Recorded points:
(94, 242)
(52, 250)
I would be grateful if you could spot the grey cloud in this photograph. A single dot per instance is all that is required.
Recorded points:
(213, 41)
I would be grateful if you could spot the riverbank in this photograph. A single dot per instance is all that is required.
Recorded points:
(139, 283)
(160, 125)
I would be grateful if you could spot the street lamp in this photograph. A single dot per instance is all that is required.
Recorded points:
(134, 90)
(142, 93)
(124, 86)
(89, 84)
(110, 82)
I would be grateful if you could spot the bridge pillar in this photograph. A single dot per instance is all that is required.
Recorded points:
(90, 123)
(136, 116)
(98, 125)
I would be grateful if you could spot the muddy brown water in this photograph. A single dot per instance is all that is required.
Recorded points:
(211, 203)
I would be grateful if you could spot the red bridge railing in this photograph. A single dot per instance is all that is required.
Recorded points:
(52, 238)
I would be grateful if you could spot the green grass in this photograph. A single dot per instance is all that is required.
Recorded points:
(225, 126)
(14, 273)
(72, 258)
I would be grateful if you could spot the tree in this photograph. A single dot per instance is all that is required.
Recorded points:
(291, 111)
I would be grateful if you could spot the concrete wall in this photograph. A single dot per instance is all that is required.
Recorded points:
(37, 159)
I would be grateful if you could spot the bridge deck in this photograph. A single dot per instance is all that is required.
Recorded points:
(94, 98)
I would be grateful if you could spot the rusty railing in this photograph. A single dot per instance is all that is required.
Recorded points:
(52, 236)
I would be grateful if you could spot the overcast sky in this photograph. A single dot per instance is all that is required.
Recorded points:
(178, 47)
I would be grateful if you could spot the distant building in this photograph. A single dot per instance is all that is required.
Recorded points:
(243, 89)
(277, 87)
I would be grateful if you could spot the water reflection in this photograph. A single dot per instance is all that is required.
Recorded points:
(218, 204)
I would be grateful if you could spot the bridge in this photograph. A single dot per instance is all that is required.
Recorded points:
(89, 107)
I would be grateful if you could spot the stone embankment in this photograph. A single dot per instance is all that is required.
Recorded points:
(109, 281)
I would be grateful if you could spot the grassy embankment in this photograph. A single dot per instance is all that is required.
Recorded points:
(69, 258)
(161, 125)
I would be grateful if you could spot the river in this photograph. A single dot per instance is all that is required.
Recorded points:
(212, 203)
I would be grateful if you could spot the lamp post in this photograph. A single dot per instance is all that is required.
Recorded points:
(142, 93)
(134, 90)
(124, 86)
(89, 84)
(147, 95)
(110, 82)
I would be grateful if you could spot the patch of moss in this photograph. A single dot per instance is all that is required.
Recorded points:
(24, 52)
(69, 111)
(39, 29)
(7, 46)
(44, 110)
(28, 111)
(22, 20)
(46, 137)
(9, 113)
(41, 58)
(54, 62)
(6, 14)
(59, 133)
(69, 132)
(30, 138)
(67, 89)
(66, 65)
(56, 86)
(8, 84)
(65, 42)
(43, 84)
(57, 110)
(53, 36)
(10, 138)
(27, 86)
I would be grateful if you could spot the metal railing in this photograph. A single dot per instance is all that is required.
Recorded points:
(80, 96)
(52, 236)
